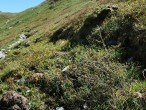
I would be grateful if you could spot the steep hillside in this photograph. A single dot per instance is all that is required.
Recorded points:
(6, 16)
(74, 54)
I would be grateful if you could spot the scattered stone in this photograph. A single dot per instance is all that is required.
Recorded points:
(46, 71)
(137, 95)
(25, 79)
(3, 49)
(85, 107)
(130, 59)
(18, 81)
(22, 38)
(112, 8)
(27, 91)
(27, 44)
(6, 52)
(144, 72)
(13, 101)
(99, 28)
(65, 69)
(10, 27)
(15, 107)
(59, 108)
(2, 55)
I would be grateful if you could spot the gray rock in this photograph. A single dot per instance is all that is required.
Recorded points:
(22, 38)
(65, 69)
(130, 59)
(25, 79)
(10, 27)
(3, 49)
(144, 72)
(85, 107)
(46, 71)
(18, 81)
(2, 55)
(60, 108)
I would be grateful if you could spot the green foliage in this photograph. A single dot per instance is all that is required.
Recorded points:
(98, 74)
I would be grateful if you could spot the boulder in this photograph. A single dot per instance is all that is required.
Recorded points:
(13, 101)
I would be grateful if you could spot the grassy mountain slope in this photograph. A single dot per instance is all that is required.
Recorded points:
(5, 16)
(93, 45)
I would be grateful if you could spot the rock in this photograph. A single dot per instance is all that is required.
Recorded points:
(10, 27)
(3, 49)
(13, 101)
(27, 91)
(65, 69)
(2, 55)
(85, 107)
(23, 36)
(18, 81)
(46, 71)
(130, 59)
(27, 44)
(25, 79)
(144, 72)
(6, 52)
(20, 89)
(59, 108)
(112, 8)
(137, 95)
(15, 107)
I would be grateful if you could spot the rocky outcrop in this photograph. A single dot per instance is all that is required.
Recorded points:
(22, 38)
(2, 51)
(13, 101)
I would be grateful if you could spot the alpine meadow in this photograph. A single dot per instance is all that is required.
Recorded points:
(74, 55)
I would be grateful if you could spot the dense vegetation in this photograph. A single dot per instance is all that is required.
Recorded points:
(77, 54)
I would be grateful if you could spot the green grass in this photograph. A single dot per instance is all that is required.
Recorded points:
(98, 75)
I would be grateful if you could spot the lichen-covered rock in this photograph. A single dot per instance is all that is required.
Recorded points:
(13, 101)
